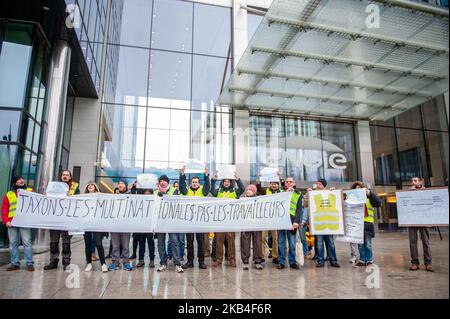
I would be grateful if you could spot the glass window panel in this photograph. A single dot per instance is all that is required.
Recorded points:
(435, 115)
(15, 65)
(29, 129)
(158, 118)
(157, 145)
(384, 154)
(170, 79)
(23, 163)
(136, 23)
(411, 152)
(132, 76)
(212, 30)
(37, 138)
(172, 25)
(253, 22)
(338, 152)
(209, 74)
(437, 144)
(9, 125)
(410, 118)
(180, 120)
(179, 146)
(7, 160)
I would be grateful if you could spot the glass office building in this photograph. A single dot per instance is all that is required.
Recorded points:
(140, 89)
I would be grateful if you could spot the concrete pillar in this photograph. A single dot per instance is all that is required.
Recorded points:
(364, 153)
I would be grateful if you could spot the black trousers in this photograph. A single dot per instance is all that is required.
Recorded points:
(200, 246)
(149, 238)
(98, 243)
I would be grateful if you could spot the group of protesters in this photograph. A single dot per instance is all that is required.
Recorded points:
(260, 245)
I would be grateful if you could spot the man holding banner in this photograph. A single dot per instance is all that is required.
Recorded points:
(226, 189)
(195, 190)
(66, 177)
(15, 234)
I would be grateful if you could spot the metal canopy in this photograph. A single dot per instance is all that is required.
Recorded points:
(319, 57)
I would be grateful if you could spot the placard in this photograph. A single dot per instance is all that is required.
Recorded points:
(57, 189)
(194, 166)
(147, 181)
(326, 212)
(226, 172)
(269, 174)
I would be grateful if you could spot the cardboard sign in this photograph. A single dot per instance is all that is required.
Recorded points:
(194, 166)
(57, 189)
(147, 181)
(269, 174)
(326, 212)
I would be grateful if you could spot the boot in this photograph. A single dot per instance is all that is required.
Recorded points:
(52, 265)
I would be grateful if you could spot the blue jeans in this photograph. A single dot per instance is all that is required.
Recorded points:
(302, 233)
(331, 250)
(162, 248)
(365, 249)
(15, 234)
(282, 234)
(181, 243)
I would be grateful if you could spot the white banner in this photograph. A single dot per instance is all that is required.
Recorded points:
(203, 215)
(149, 213)
(226, 172)
(325, 212)
(428, 207)
(89, 212)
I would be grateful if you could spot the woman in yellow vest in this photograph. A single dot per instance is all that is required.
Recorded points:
(365, 249)
(195, 189)
(9, 206)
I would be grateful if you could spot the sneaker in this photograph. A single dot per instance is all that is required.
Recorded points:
(65, 266)
(336, 265)
(320, 265)
(132, 256)
(141, 263)
(162, 268)
(294, 266)
(88, 267)
(202, 265)
(127, 267)
(280, 266)
(30, 268)
(12, 267)
(108, 257)
(275, 260)
(259, 267)
(429, 268)
(245, 266)
(104, 268)
(51, 266)
(263, 260)
(314, 258)
(152, 264)
(169, 257)
(113, 266)
(414, 267)
(352, 260)
(179, 269)
(188, 264)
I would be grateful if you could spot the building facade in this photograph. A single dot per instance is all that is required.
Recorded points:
(113, 89)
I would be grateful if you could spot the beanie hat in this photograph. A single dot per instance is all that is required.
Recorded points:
(164, 178)
(251, 188)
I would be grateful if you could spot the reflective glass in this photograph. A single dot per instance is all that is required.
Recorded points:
(435, 115)
(412, 156)
(9, 125)
(384, 152)
(438, 144)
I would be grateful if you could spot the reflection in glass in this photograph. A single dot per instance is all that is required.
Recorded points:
(385, 159)
(438, 145)
(172, 25)
(411, 153)
(136, 23)
(212, 30)
(9, 125)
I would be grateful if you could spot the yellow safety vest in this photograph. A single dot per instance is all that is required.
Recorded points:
(370, 210)
(326, 217)
(294, 201)
(73, 188)
(227, 194)
(170, 191)
(197, 193)
(12, 199)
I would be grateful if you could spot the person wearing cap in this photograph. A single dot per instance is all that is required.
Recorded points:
(226, 189)
(121, 240)
(195, 190)
(274, 188)
(251, 238)
(15, 234)
(164, 188)
(295, 214)
(327, 239)
(55, 235)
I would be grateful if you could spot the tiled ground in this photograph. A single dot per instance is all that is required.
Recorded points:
(391, 255)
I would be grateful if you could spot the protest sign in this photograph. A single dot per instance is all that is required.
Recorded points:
(194, 166)
(57, 189)
(226, 172)
(147, 181)
(326, 212)
(269, 174)
(417, 208)
(354, 207)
